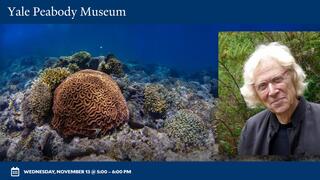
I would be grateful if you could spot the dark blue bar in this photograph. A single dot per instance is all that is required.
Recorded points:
(164, 170)
(175, 11)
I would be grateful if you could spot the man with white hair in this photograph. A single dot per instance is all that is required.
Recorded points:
(289, 125)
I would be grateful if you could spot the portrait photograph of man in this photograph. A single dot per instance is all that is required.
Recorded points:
(274, 85)
(290, 125)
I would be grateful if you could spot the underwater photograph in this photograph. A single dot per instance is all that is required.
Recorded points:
(98, 92)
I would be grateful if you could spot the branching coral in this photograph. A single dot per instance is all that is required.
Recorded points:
(187, 129)
(53, 76)
(88, 103)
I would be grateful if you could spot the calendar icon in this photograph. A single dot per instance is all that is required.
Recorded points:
(15, 172)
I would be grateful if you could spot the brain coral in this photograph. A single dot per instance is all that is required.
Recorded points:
(87, 104)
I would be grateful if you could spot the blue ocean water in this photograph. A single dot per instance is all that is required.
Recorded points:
(187, 48)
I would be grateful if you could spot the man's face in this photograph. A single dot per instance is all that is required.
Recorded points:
(274, 87)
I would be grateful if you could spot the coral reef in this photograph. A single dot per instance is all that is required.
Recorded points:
(135, 99)
(63, 61)
(88, 103)
(155, 100)
(81, 58)
(53, 76)
(144, 144)
(36, 104)
(94, 62)
(16, 81)
(50, 62)
(3, 103)
(102, 66)
(41, 144)
(112, 66)
(73, 67)
(152, 145)
(4, 146)
(187, 129)
(10, 117)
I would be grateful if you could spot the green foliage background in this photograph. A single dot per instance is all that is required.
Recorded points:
(234, 49)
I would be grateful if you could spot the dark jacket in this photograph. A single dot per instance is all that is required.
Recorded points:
(304, 136)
